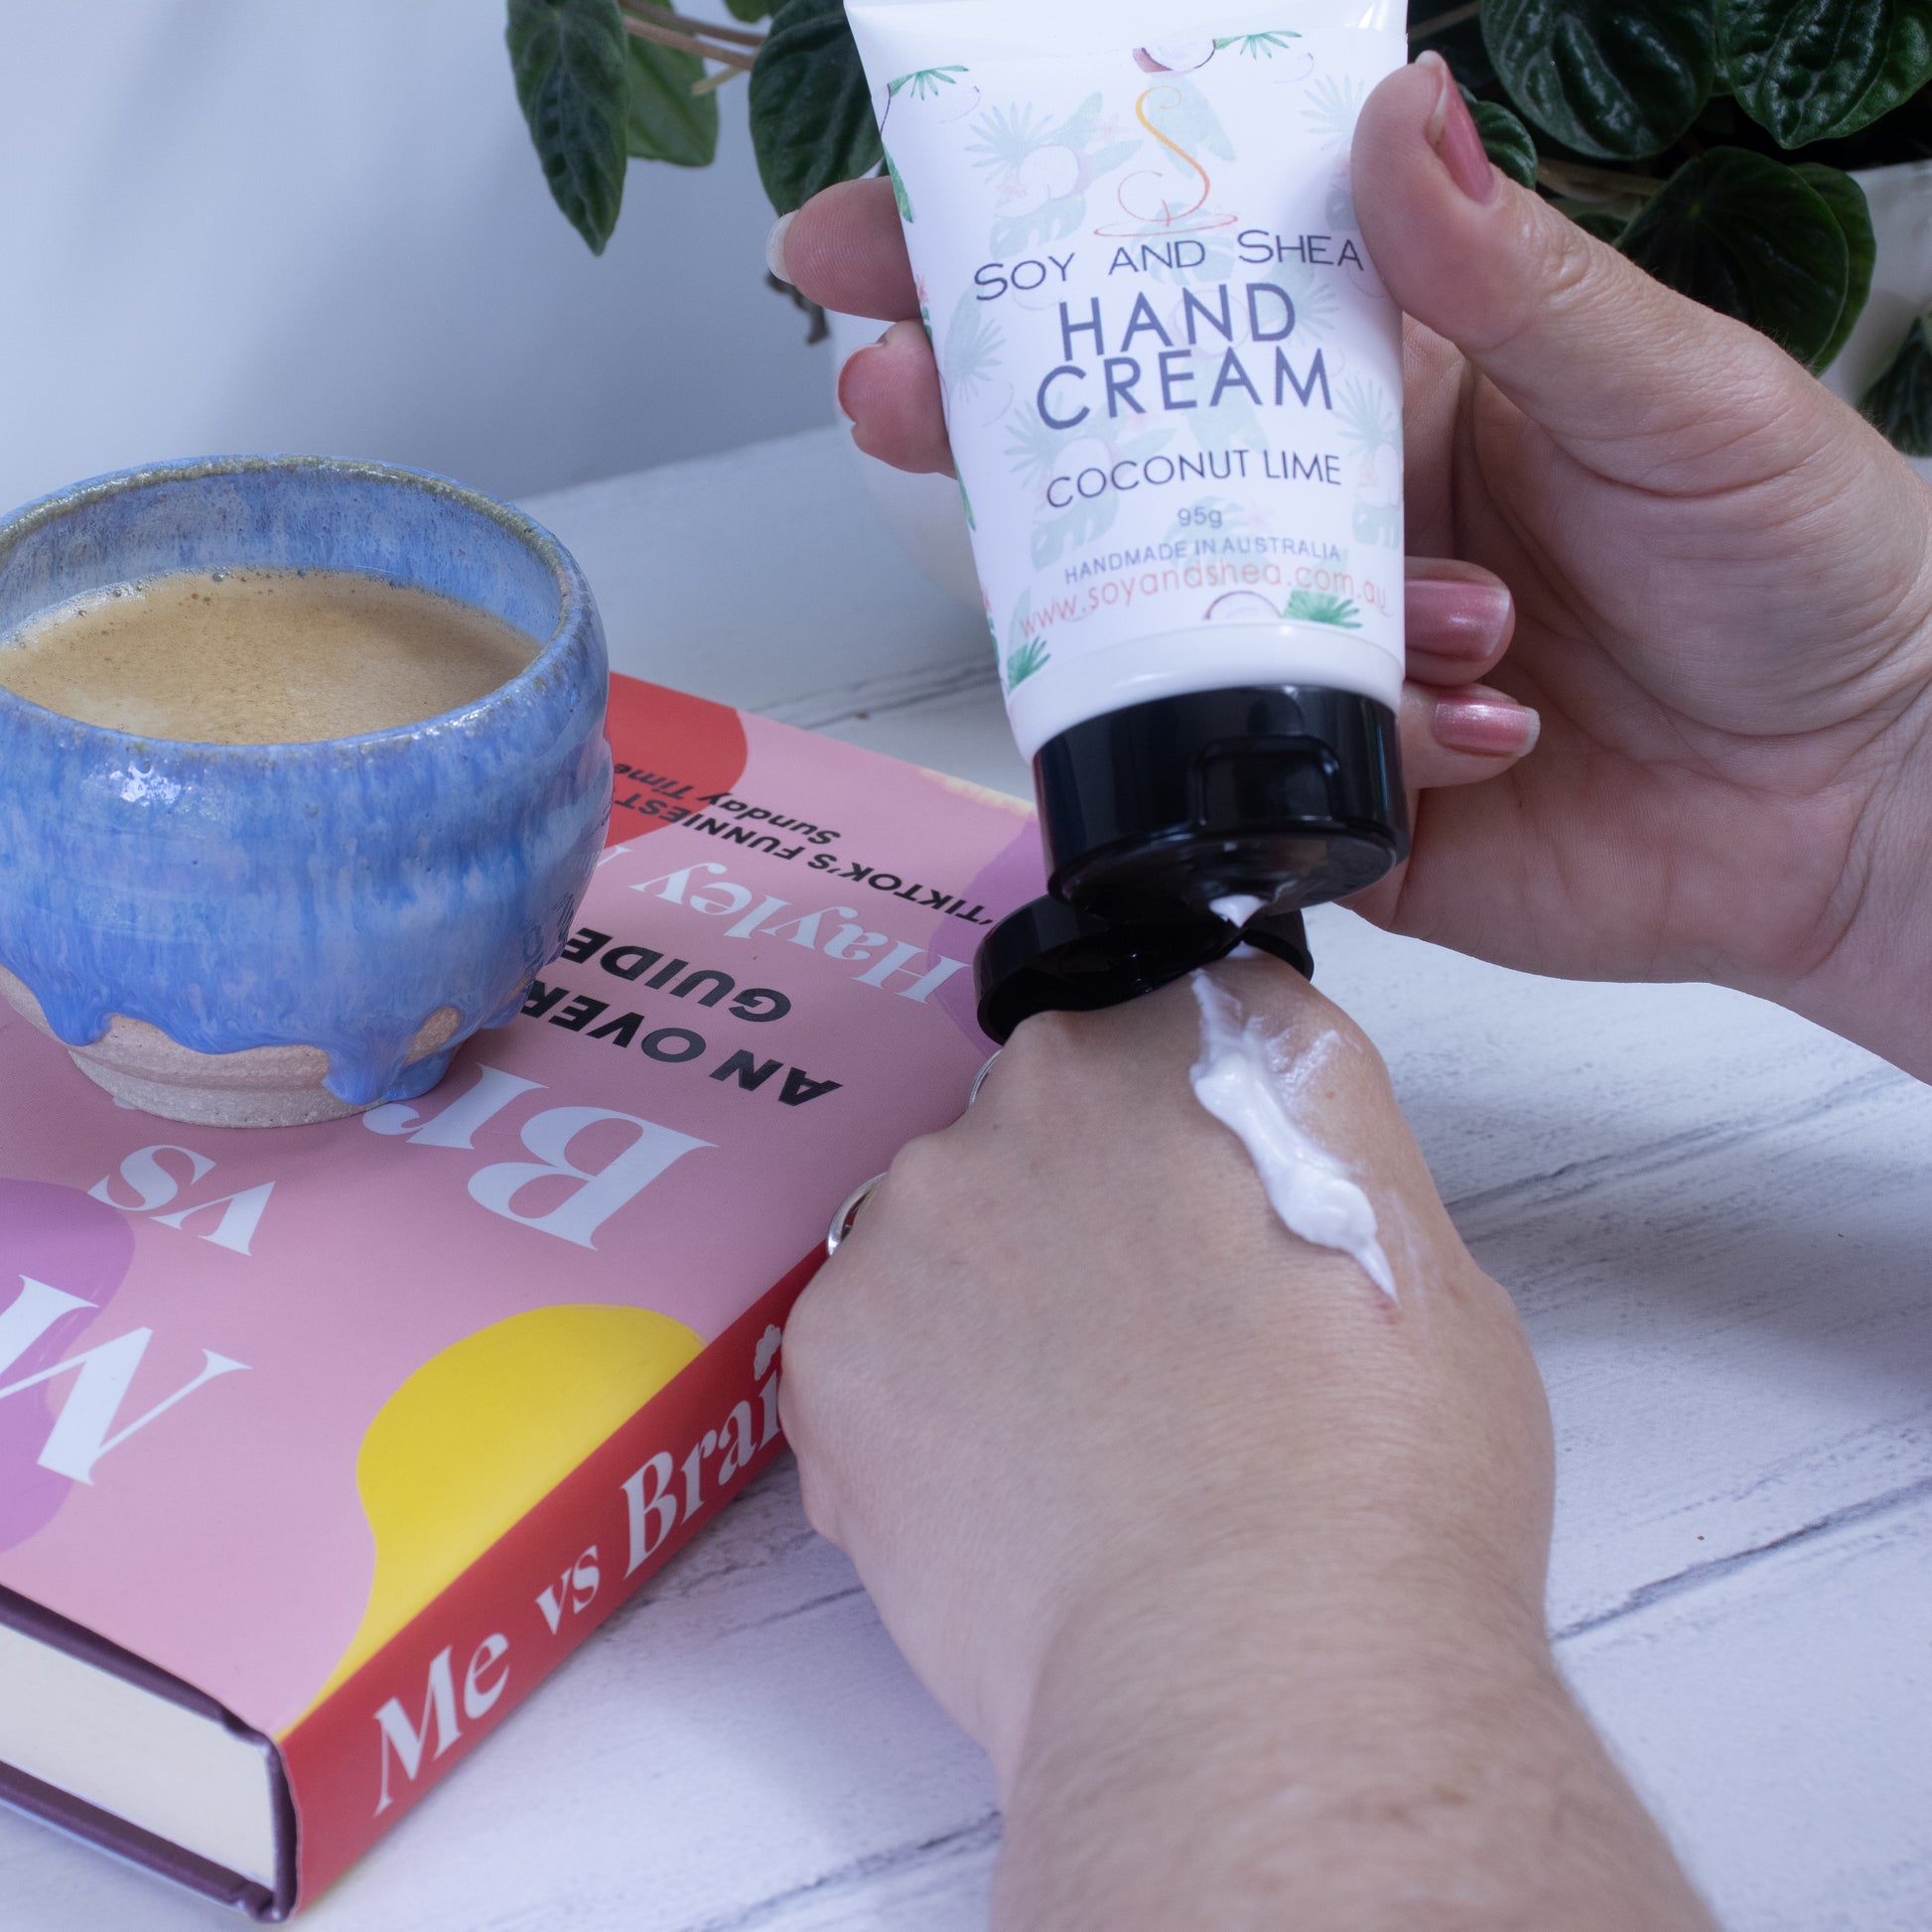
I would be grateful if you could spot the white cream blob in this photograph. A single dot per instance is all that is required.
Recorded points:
(1240, 1079)
(1237, 908)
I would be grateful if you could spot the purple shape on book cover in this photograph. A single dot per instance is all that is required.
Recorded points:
(73, 1242)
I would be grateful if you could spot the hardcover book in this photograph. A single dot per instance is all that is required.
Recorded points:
(320, 1446)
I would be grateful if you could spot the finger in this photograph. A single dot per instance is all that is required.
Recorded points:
(1449, 739)
(1463, 737)
(846, 250)
(891, 393)
(1460, 618)
(1637, 381)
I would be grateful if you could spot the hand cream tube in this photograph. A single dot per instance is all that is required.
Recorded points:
(1173, 384)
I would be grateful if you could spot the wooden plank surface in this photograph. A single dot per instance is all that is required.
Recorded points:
(1717, 1221)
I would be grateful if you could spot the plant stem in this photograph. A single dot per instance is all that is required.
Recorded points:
(1585, 184)
(713, 81)
(733, 59)
(665, 17)
(1442, 23)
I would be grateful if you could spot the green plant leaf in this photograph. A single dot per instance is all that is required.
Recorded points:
(1852, 213)
(811, 112)
(1609, 79)
(667, 122)
(1818, 69)
(1459, 43)
(749, 9)
(1749, 236)
(568, 58)
(1506, 141)
(1900, 401)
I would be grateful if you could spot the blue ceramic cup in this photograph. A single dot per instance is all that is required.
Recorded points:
(267, 935)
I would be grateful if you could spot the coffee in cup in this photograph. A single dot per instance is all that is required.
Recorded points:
(260, 656)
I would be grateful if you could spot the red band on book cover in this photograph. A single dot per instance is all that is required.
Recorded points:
(447, 1679)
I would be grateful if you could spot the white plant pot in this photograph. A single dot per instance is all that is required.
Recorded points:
(926, 516)
(1901, 283)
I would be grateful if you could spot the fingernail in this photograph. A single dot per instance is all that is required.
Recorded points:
(1453, 618)
(1438, 69)
(845, 376)
(774, 247)
(1486, 724)
(1451, 131)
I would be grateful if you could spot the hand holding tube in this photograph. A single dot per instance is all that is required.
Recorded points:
(1722, 600)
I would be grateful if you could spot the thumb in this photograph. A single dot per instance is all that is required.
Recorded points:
(1617, 368)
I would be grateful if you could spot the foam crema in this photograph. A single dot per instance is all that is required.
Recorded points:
(260, 656)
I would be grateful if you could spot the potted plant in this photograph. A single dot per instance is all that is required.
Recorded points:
(1713, 141)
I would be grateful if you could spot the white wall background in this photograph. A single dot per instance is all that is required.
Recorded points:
(318, 226)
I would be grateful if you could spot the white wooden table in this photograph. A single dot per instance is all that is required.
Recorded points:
(1718, 1222)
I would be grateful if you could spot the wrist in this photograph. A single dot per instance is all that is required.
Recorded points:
(1326, 1626)
(1340, 1736)
(1229, 1753)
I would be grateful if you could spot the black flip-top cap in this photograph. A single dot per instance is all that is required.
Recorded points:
(1049, 958)
(1292, 795)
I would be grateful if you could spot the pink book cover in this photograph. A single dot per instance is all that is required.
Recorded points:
(354, 1430)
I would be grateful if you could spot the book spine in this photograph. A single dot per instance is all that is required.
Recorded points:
(360, 1760)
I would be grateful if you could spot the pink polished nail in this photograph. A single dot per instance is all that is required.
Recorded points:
(1485, 723)
(852, 362)
(1451, 131)
(1451, 616)
(845, 376)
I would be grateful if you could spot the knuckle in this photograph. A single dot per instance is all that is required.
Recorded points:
(919, 1172)
(815, 1397)
(1363, 1057)
(1354, 1052)
(1361, 1070)
(816, 1491)
(1574, 264)
(813, 1338)
(1043, 1061)
(1566, 269)
(1561, 270)
(795, 1412)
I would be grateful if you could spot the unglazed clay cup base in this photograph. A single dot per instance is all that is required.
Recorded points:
(260, 1087)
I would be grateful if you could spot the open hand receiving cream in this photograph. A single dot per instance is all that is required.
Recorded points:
(1234, 1565)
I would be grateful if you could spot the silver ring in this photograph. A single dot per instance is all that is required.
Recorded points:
(847, 1218)
(979, 1079)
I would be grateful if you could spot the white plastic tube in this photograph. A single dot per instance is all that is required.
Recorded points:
(1171, 376)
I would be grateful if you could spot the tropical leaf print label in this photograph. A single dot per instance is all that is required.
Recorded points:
(1171, 374)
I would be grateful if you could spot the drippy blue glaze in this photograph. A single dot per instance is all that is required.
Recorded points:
(333, 894)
